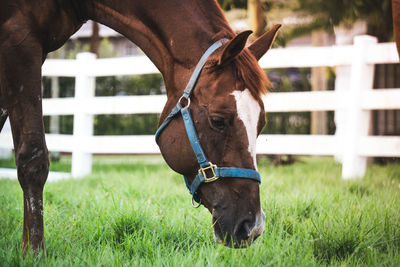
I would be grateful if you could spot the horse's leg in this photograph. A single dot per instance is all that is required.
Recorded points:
(20, 74)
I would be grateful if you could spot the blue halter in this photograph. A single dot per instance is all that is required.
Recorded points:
(213, 172)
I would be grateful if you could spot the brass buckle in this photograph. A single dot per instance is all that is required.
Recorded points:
(212, 168)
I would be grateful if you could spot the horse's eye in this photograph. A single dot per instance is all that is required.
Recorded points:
(218, 123)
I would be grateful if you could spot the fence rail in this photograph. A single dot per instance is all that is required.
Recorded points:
(352, 100)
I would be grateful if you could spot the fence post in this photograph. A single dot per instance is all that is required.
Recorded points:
(6, 152)
(342, 86)
(344, 36)
(83, 122)
(357, 120)
(55, 119)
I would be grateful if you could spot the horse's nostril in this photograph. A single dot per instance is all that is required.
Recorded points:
(243, 230)
(246, 228)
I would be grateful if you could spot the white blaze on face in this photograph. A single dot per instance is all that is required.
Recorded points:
(248, 110)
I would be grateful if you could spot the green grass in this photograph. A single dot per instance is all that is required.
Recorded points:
(135, 211)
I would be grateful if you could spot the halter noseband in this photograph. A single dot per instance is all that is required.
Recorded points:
(206, 167)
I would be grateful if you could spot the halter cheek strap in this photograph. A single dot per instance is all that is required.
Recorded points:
(190, 85)
(208, 172)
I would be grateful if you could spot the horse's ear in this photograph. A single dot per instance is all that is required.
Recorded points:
(260, 46)
(234, 47)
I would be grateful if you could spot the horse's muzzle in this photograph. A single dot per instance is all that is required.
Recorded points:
(238, 234)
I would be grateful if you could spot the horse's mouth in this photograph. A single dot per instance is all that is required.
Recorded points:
(239, 242)
(234, 243)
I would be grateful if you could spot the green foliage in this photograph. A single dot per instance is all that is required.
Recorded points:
(287, 123)
(235, 4)
(106, 49)
(149, 84)
(135, 211)
(73, 47)
(77, 47)
(326, 14)
(323, 15)
(347, 11)
(126, 124)
(231, 4)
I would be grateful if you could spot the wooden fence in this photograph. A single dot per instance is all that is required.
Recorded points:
(352, 101)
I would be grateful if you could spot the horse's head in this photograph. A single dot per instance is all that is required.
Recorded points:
(228, 114)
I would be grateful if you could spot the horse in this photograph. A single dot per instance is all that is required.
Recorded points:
(226, 110)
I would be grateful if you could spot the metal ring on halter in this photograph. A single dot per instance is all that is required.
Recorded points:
(195, 206)
(179, 105)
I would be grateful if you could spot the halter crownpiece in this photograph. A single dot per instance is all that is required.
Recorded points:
(208, 172)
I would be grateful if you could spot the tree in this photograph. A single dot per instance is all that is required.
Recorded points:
(256, 17)
(326, 14)
(95, 39)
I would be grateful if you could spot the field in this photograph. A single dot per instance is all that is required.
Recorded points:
(135, 211)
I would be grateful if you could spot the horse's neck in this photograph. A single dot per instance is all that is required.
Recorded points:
(173, 34)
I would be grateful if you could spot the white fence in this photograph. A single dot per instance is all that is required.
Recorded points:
(352, 101)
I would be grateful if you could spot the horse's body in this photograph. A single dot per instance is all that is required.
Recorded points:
(174, 34)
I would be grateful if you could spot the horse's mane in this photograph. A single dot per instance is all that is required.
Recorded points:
(251, 74)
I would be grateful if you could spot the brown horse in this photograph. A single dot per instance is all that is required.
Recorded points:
(226, 104)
